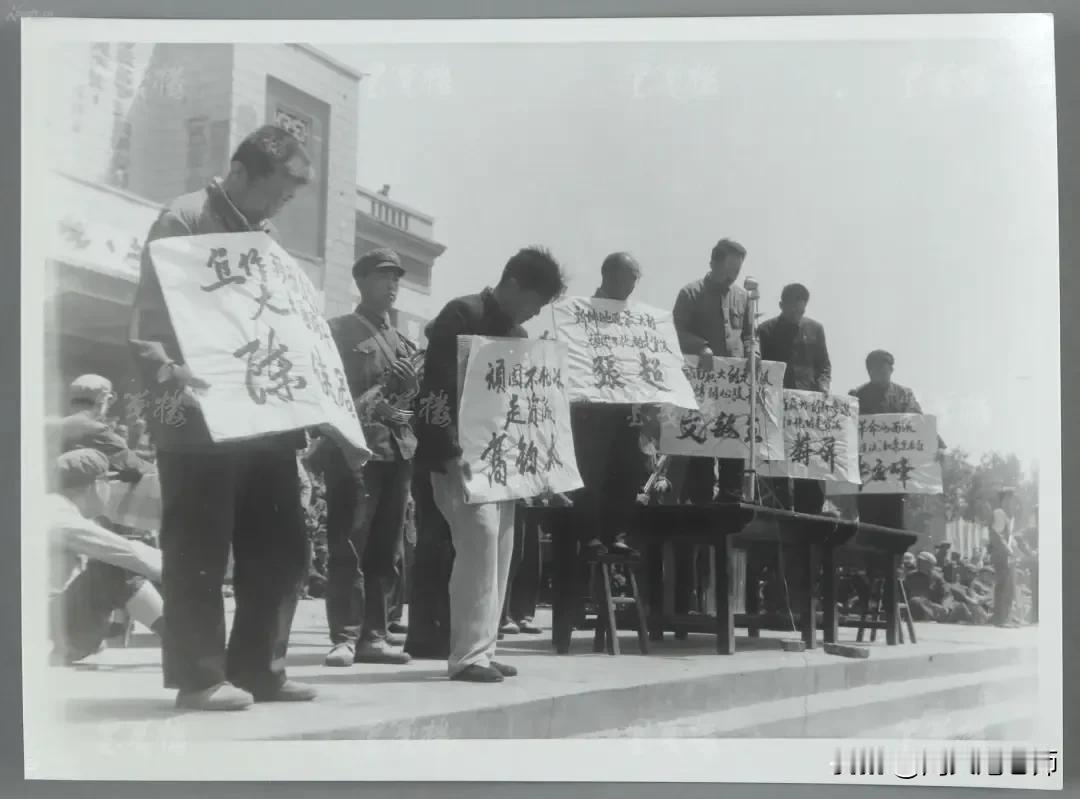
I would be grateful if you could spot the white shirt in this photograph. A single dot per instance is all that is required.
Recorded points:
(1003, 526)
(72, 538)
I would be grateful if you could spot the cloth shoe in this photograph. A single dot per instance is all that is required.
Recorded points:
(395, 639)
(526, 626)
(503, 669)
(380, 652)
(397, 628)
(223, 696)
(340, 655)
(288, 691)
(478, 673)
(510, 628)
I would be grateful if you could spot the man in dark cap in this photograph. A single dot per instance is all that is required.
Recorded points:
(243, 493)
(712, 318)
(91, 397)
(365, 516)
(882, 395)
(92, 570)
(798, 341)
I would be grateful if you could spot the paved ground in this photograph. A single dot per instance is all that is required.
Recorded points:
(119, 693)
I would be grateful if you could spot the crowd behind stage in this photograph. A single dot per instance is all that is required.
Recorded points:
(289, 515)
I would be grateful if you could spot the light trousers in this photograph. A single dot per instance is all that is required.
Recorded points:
(483, 539)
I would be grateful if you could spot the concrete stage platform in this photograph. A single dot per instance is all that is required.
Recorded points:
(957, 682)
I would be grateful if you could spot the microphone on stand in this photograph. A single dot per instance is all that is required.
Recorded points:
(749, 489)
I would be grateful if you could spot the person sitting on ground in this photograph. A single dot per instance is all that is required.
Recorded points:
(927, 597)
(968, 606)
(93, 571)
(982, 586)
(941, 552)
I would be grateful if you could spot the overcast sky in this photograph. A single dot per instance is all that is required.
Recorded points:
(910, 185)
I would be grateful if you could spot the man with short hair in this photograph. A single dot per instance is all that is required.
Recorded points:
(882, 395)
(610, 461)
(482, 533)
(244, 493)
(91, 397)
(92, 570)
(712, 318)
(798, 341)
(365, 515)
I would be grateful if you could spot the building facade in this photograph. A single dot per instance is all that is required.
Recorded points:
(139, 124)
(382, 222)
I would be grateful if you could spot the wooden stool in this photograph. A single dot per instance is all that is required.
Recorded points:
(873, 612)
(607, 637)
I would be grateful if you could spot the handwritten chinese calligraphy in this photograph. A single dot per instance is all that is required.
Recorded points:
(515, 420)
(268, 370)
(820, 438)
(248, 321)
(621, 353)
(721, 426)
(897, 454)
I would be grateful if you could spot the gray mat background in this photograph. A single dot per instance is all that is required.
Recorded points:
(1067, 23)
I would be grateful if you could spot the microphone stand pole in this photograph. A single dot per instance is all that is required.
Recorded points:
(750, 484)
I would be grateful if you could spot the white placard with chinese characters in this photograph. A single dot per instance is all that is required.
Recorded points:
(721, 428)
(820, 438)
(514, 420)
(898, 454)
(620, 352)
(247, 320)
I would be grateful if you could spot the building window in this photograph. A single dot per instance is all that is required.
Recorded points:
(302, 223)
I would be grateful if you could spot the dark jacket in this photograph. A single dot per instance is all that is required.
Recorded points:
(802, 347)
(705, 315)
(365, 368)
(893, 399)
(437, 403)
(153, 339)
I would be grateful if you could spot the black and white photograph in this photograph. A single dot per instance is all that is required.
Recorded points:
(579, 400)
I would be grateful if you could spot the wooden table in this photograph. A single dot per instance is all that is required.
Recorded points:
(724, 527)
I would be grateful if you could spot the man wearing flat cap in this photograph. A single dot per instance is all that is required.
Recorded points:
(91, 397)
(92, 570)
(365, 514)
(882, 395)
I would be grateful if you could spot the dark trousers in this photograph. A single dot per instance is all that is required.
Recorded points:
(1004, 590)
(365, 522)
(524, 586)
(250, 499)
(886, 510)
(611, 466)
(703, 481)
(803, 496)
(702, 485)
(79, 615)
(401, 594)
(429, 601)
